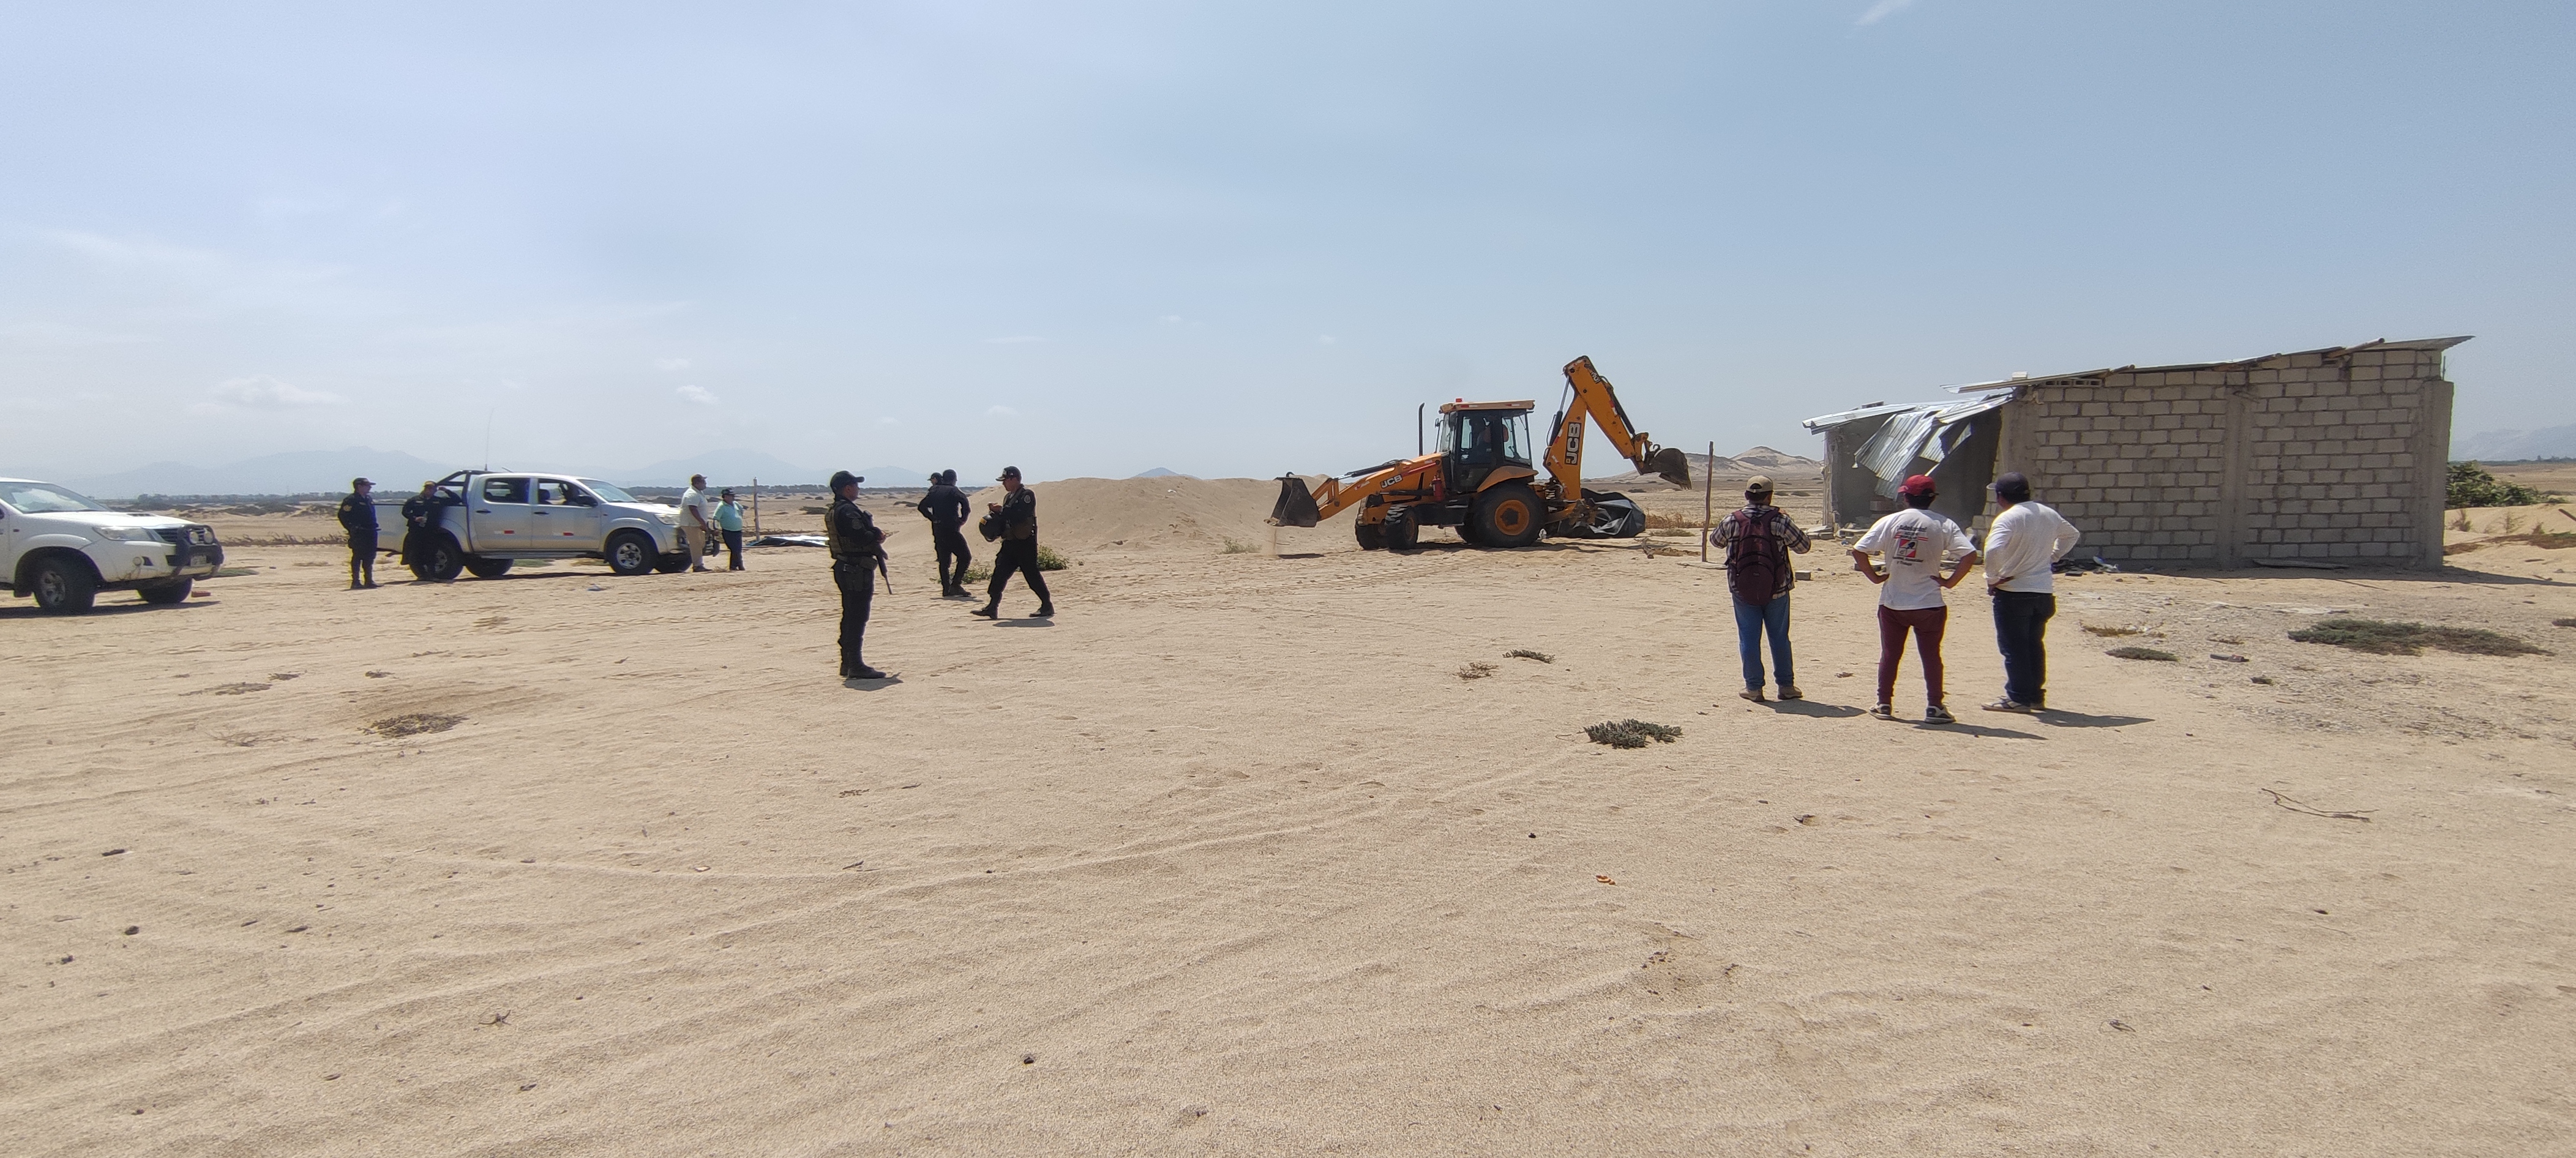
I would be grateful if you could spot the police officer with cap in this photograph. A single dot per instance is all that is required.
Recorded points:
(358, 517)
(855, 544)
(946, 508)
(1018, 514)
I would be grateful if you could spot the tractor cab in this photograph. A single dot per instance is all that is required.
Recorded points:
(1477, 438)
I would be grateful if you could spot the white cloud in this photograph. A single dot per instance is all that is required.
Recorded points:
(1013, 340)
(1882, 10)
(998, 411)
(698, 394)
(261, 392)
(672, 365)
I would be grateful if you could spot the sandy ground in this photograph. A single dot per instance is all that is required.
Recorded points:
(1229, 858)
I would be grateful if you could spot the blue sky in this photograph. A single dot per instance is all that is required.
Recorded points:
(1231, 239)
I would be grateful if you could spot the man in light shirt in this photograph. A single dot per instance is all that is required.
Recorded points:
(694, 528)
(2022, 550)
(1913, 540)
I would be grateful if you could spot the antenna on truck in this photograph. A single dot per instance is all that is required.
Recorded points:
(487, 436)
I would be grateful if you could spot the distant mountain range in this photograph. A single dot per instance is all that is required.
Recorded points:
(2509, 445)
(1158, 472)
(329, 472)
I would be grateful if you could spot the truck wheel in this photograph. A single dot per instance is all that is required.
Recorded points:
(63, 586)
(175, 591)
(672, 564)
(440, 561)
(631, 553)
(1372, 536)
(484, 568)
(1507, 516)
(1400, 533)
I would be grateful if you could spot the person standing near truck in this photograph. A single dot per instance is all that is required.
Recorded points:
(358, 518)
(420, 521)
(1914, 540)
(729, 524)
(946, 508)
(694, 528)
(854, 541)
(1018, 514)
(2022, 550)
(1757, 541)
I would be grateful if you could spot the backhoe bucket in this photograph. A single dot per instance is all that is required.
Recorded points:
(1296, 505)
(1672, 464)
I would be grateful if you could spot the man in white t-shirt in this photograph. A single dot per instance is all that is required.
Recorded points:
(695, 530)
(1913, 540)
(2022, 549)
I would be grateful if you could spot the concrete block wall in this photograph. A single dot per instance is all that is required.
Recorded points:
(2336, 456)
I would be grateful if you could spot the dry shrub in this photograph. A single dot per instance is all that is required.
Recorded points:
(1659, 520)
(2114, 629)
(2142, 653)
(1632, 733)
(414, 724)
(2562, 623)
(1476, 670)
(2379, 637)
(1525, 653)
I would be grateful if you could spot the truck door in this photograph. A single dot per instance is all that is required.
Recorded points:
(564, 518)
(500, 506)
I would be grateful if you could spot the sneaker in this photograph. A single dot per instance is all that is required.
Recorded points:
(1936, 714)
(2008, 704)
(1883, 712)
(1791, 692)
(1753, 694)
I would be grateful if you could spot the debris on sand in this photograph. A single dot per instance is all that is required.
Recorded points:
(2114, 629)
(1476, 670)
(1632, 733)
(414, 724)
(2378, 637)
(1525, 653)
(230, 690)
(2142, 653)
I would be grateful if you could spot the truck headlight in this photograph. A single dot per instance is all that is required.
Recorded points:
(127, 534)
(668, 520)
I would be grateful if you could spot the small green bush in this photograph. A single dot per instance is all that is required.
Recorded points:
(2382, 638)
(1632, 733)
(2472, 485)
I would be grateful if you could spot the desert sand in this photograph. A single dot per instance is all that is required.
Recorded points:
(1229, 858)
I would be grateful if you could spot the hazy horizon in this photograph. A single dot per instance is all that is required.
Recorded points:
(1230, 240)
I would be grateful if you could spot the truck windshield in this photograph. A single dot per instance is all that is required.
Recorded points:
(35, 498)
(608, 493)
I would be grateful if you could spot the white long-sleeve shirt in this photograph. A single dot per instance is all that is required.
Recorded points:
(2023, 543)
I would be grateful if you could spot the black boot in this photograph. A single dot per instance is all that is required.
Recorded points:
(992, 610)
(1046, 611)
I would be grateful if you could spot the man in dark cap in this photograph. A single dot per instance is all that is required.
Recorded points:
(358, 517)
(854, 542)
(1914, 541)
(420, 521)
(1018, 512)
(946, 508)
(2022, 550)
(1757, 540)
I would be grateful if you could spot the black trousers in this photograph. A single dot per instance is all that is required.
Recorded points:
(1019, 555)
(733, 550)
(858, 584)
(2021, 625)
(951, 546)
(362, 556)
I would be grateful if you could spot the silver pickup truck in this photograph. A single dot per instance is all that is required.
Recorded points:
(488, 520)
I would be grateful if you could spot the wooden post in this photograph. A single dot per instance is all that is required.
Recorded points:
(755, 506)
(1708, 501)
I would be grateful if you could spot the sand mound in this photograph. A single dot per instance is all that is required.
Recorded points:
(1091, 514)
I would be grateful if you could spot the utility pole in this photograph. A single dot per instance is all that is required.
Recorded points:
(1708, 501)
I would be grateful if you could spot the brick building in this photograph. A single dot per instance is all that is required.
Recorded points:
(2338, 454)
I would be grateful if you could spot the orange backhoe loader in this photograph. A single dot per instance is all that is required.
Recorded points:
(1480, 480)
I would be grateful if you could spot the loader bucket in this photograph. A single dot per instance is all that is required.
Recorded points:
(1296, 505)
(1672, 464)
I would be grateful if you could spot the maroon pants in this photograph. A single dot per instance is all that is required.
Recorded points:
(1927, 624)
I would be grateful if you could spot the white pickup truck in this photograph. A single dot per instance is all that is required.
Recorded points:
(63, 549)
(491, 519)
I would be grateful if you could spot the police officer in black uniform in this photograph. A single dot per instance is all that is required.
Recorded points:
(358, 517)
(420, 521)
(855, 544)
(1018, 513)
(946, 508)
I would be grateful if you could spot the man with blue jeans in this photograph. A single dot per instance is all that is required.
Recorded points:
(2022, 550)
(1757, 540)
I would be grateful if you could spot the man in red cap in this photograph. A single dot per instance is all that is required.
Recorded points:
(1913, 540)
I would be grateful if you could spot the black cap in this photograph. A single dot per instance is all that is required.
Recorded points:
(2012, 487)
(1009, 472)
(355, 483)
(842, 478)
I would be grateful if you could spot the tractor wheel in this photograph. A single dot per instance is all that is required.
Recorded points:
(1400, 533)
(1372, 536)
(1507, 516)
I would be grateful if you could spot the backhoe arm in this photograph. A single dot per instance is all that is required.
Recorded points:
(1300, 506)
(1594, 399)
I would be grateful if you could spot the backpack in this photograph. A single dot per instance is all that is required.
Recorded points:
(1756, 560)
